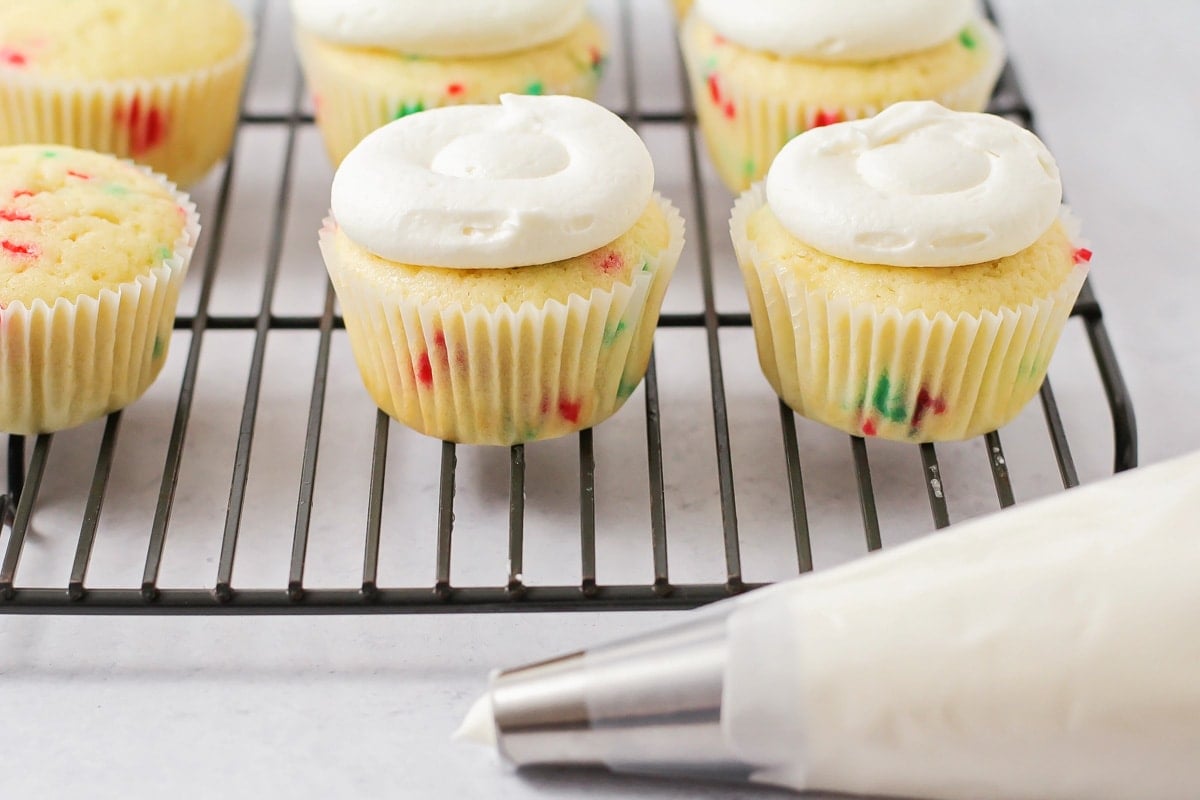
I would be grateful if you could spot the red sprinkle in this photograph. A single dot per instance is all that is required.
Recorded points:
(8, 215)
(597, 56)
(455, 89)
(22, 193)
(1083, 256)
(570, 409)
(14, 58)
(424, 371)
(147, 128)
(869, 428)
(926, 403)
(714, 88)
(609, 262)
(79, 175)
(730, 110)
(824, 118)
(30, 250)
(718, 39)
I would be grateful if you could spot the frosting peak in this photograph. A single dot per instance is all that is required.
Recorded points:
(917, 186)
(441, 28)
(530, 181)
(838, 30)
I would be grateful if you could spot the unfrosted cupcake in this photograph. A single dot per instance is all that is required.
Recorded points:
(93, 252)
(763, 71)
(369, 62)
(501, 268)
(909, 275)
(158, 82)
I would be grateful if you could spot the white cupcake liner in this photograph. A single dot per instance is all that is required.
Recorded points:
(67, 363)
(508, 375)
(348, 110)
(902, 376)
(743, 148)
(179, 125)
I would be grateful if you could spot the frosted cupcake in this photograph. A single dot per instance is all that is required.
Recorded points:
(369, 62)
(909, 275)
(501, 268)
(92, 254)
(763, 71)
(156, 82)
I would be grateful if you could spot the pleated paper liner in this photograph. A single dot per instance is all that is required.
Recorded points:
(348, 107)
(901, 376)
(509, 375)
(74, 361)
(743, 147)
(180, 126)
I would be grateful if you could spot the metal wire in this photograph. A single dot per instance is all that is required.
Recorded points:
(512, 592)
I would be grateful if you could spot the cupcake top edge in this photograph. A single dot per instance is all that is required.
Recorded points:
(917, 186)
(838, 30)
(74, 222)
(112, 40)
(440, 29)
(530, 181)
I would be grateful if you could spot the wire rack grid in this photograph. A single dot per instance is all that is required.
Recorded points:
(27, 472)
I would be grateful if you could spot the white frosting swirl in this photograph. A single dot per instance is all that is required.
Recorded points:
(838, 30)
(917, 186)
(440, 28)
(530, 181)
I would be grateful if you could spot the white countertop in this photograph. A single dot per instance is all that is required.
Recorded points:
(326, 707)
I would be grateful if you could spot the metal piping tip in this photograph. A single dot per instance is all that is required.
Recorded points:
(650, 705)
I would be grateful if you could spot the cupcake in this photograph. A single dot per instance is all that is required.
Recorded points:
(501, 268)
(93, 251)
(156, 82)
(909, 275)
(763, 71)
(369, 63)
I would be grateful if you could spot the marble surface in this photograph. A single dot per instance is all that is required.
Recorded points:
(326, 707)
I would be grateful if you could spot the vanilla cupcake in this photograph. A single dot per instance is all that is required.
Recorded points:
(156, 82)
(93, 252)
(369, 62)
(909, 275)
(501, 268)
(763, 71)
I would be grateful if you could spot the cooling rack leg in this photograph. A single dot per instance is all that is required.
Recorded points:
(16, 480)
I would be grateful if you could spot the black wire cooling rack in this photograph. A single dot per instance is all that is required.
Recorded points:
(514, 593)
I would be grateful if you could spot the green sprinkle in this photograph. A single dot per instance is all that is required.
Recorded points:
(624, 390)
(406, 109)
(968, 40)
(537, 87)
(645, 266)
(529, 435)
(749, 168)
(115, 189)
(888, 403)
(160, 347)
(612, 334)
(49, 154)
(163, 253)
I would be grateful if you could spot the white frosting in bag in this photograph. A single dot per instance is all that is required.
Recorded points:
(838, 30)
(440, 28)
(529, 181)
(916, 186)
(1049, 651)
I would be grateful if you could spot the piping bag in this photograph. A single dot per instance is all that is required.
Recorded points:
(1051, 651)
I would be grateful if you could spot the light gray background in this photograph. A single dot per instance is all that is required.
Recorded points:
(326, 707)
